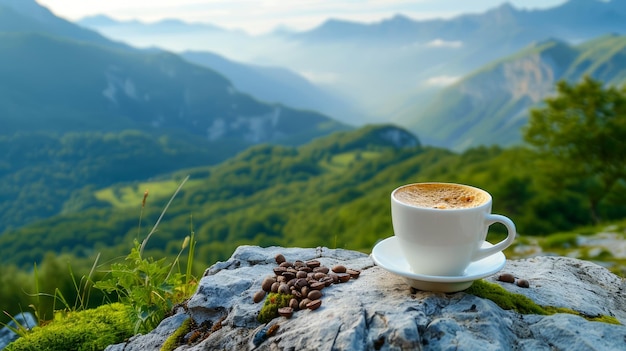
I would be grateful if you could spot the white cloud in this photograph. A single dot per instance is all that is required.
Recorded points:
(442, 81)
(440, 43)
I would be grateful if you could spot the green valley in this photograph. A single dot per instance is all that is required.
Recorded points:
(331, 192)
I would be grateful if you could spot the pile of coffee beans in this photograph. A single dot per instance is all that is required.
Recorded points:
(304, 281)
(510, 278)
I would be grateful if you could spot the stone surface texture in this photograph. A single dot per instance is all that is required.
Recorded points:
(378, 311)
(25, 320)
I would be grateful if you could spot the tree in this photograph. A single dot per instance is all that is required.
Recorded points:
(580, 138)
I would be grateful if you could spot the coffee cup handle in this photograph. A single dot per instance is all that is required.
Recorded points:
(510, 226)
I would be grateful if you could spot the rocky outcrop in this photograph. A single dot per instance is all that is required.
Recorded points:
(20, 322)
(378, 311)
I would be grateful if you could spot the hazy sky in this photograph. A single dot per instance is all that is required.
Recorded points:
(257, 16)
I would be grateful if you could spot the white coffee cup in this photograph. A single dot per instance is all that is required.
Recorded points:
(441, 235)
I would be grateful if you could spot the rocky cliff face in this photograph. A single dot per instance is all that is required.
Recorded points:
(378, 310)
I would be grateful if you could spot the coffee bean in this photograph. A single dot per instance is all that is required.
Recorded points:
(506, 277)
(313, 305)
(304, 281)
(319, 276)
(339, 269)
(313, 263)
(279, 270)
(314, 295)
(321, 269)
(301, 274)
(258, 296)
(354, 274)
(283, 289)
(300, 283)
(328, 281)
(343, 277)
(279, 258)
(285, 312)
(523, 283)
(267, 283)
(303, 303)
(317, 286)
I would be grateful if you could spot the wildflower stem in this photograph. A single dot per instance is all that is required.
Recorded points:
(145, 241)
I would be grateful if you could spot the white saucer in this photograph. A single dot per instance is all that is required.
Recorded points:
(387, 255)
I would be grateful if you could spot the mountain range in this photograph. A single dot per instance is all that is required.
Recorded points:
(276, 85)
(385, 69)
(64, 87)
(59, 76)
(492, 104)
(83, 116)
(19, 16)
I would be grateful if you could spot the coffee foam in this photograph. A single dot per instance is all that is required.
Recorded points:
(440, 196)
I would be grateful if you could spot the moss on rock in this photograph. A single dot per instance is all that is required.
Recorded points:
(524, 305)
(176, 339)
(87, 330)
(273, 302)
(505, 299)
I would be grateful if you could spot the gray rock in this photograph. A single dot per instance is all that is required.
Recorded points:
(568, 282)
(378, 311)
(155, 339)
(25, 320)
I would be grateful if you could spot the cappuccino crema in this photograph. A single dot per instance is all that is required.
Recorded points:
(441, 196)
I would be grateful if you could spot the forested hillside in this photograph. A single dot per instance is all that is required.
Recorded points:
(44, 174)
(332, 192)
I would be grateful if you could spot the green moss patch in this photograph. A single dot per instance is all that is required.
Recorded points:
(504, 299)
(273, 302)
(176, 339)
(87, 330)
(522, 304)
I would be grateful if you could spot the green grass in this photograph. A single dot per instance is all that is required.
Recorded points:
(341, 162)
(126, 196)
(141, 291)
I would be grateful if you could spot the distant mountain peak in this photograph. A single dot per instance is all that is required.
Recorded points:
(504, 13)
(29, 8)
(506, 7)
(98, 20)
(400, 18)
